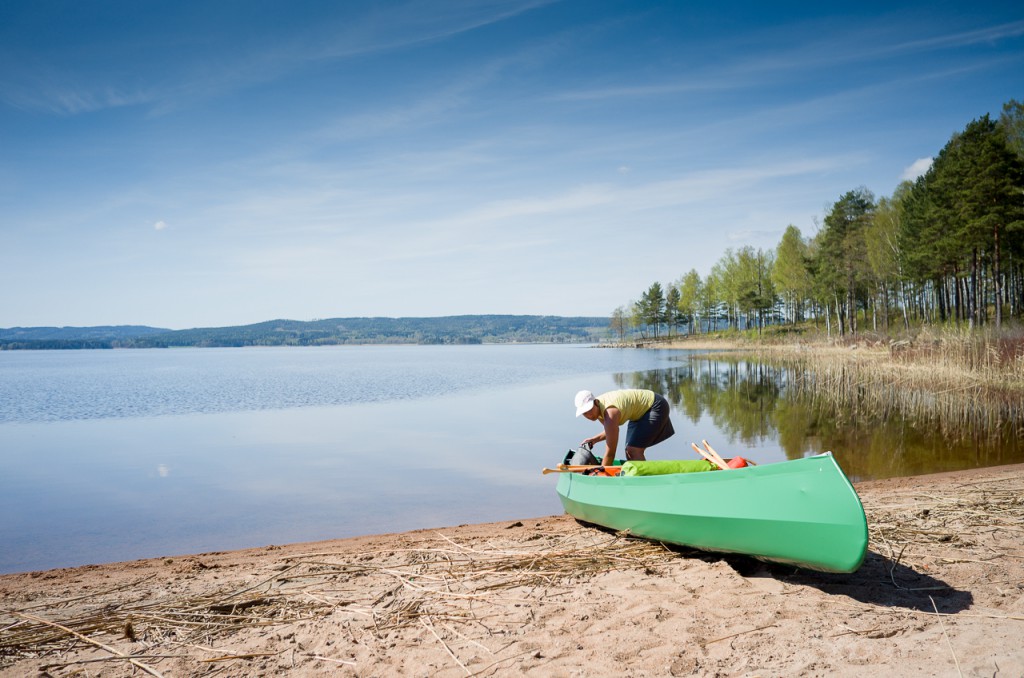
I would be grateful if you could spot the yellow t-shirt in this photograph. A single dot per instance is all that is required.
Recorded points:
(632, 403)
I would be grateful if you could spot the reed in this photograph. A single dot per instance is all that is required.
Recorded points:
(439, 581)
(963, 383)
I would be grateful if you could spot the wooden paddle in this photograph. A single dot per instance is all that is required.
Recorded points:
(718, 457)
(577, 467)
(722, 465)
(564, 468)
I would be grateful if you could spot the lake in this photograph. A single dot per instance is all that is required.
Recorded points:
(117, 455)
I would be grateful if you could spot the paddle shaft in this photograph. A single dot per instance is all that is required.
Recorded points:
(721, 465)
(562, 468)
(718, 457)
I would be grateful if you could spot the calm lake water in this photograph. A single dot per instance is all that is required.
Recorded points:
(116, 455)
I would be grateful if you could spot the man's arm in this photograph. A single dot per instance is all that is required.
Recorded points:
(611, 434)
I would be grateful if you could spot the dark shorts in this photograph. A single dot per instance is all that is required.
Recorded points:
(653, 427)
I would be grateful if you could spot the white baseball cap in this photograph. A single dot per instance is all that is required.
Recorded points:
(584, 402)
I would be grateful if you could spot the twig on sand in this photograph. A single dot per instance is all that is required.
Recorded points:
(502, 661)
(131, 584)
(426, 622)
(328, 659)
(97, 660)
(134, 662)
(948, 642)
(247, 655)
(740, 633)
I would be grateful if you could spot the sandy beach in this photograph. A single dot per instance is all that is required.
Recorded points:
(941, 593)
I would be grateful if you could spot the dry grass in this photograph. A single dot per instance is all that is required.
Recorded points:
(439, 583)
(957, 522)
(52, 628)
(957, 381)
(988, 359)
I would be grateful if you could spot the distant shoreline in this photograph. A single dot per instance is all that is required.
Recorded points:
(444, 330)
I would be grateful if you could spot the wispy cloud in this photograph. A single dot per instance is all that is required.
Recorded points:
(55, 93)
(432, 106)
(60, 83)
(749, 235)
(703, 84)
(985, 35)
(417, 22)
(916, 169)
(611, 205)
(829, 47)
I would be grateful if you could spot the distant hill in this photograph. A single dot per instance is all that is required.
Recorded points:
(103, 336)
(464, 329)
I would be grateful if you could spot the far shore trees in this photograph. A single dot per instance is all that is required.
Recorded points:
(790, 274)
(946, 248)
(690, 287)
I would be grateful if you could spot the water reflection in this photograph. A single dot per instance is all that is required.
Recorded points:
(760, 406)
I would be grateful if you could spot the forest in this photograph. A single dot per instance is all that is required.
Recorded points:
(467, 329)
(946, 248)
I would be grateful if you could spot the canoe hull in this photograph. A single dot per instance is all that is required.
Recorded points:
(803, 512)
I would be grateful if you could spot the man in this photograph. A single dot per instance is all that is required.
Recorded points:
(646, 412)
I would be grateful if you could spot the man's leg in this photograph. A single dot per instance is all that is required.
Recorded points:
(635, 453)
(652, 428)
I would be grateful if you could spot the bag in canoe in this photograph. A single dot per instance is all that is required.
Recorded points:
(581, 456)
(666, 466)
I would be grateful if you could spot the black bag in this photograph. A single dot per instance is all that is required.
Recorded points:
(581, 456)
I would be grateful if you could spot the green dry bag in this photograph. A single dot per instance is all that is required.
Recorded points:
(663, 466)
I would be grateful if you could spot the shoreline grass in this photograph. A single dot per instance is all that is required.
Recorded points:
(962, 382)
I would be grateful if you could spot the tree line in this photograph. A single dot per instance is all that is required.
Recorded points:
(467, 329)
(947, 247)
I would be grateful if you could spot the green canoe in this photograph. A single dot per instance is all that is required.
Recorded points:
(803, 512)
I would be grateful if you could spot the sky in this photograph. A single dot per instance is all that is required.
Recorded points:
(182, 164)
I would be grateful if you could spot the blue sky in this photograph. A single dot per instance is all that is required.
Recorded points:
(196, 164)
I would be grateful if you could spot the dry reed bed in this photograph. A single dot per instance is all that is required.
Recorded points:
(957, 383)
(56, 627)
(434, 585)
(953, 527)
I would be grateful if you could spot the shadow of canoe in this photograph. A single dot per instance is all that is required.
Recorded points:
(879, 581)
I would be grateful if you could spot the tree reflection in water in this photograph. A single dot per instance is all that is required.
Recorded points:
(760, 404)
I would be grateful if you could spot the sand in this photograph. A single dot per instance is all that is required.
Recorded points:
(941, 593)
